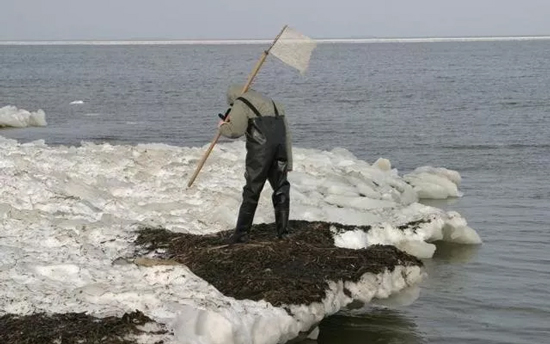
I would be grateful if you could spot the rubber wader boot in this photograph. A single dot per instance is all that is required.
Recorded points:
(281, 221)
(242, 231)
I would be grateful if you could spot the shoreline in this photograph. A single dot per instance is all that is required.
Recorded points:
(266, 41)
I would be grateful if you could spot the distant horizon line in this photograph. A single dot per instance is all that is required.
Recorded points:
(265, 40)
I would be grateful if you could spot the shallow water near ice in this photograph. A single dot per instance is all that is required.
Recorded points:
(479, 108)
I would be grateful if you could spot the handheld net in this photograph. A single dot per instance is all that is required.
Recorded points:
(293, 49)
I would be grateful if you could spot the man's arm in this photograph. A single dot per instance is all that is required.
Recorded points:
(238, 121)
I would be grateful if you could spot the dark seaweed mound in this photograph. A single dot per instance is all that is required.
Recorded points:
(294, 270)
(71, 328)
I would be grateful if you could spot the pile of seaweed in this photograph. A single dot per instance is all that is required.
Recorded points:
(294, 270)
(71, 328)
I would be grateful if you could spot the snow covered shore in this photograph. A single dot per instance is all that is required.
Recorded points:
(66, 213)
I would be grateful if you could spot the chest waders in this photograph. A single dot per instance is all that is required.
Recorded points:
(266, 159)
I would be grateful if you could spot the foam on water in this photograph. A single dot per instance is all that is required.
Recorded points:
(68, 213)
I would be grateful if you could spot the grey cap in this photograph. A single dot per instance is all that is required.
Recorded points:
(233, 92)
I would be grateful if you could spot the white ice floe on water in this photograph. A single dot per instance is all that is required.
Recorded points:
(66, 213)
(428, 225)
(258, 322)
(434, 183)
(11, 116)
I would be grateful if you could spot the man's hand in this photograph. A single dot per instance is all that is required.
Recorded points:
(224, 116)
(220, 123)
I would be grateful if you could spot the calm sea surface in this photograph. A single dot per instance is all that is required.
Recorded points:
(481, 108)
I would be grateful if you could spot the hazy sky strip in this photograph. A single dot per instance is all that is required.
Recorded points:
(253, 19)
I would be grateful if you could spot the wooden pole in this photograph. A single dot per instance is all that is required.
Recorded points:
(245, 88)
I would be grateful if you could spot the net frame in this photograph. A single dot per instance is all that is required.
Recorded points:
(294, 49)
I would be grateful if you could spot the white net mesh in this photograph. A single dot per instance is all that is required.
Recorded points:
(294, 49)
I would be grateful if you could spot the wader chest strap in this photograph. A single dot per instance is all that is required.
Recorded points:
(275, 107)
(252, 107)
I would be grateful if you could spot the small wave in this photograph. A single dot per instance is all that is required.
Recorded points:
(522, 105)
(77, 102)
(497, 146)
(11, 116)
(349, 101)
